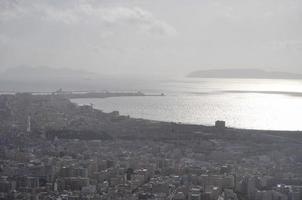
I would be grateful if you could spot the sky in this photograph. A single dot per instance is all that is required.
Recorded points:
(151, 37)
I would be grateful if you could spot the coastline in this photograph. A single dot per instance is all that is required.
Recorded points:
(204, 132)
(203, 125)
(54, 112)
(270, 131)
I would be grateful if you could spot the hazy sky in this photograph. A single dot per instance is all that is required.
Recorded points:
(156, 36)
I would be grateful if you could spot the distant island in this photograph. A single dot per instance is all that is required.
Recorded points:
(243, 73)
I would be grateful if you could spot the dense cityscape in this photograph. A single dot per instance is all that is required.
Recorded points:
(54, 149)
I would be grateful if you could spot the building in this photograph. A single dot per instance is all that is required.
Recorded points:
(220, 124)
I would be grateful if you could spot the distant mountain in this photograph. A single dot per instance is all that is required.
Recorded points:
(27, 78)
(42, 73)
(44, 78)
(243, 73)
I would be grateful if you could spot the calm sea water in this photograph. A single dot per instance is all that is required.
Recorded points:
(242, 103)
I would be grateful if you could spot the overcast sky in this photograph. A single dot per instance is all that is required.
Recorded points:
(152, 36)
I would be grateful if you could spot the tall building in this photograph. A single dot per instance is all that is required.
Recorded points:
(28, 129)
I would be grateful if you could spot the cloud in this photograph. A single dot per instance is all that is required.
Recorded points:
(150, 35)
(76, 34)
(84, 12)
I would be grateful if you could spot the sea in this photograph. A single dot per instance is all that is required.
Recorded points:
(262, 104)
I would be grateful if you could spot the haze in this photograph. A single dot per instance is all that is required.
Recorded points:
(151, 37)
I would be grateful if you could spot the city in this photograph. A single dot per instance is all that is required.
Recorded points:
(54, 149)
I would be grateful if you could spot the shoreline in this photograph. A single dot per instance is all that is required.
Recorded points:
(193, 124)
(55, 112)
